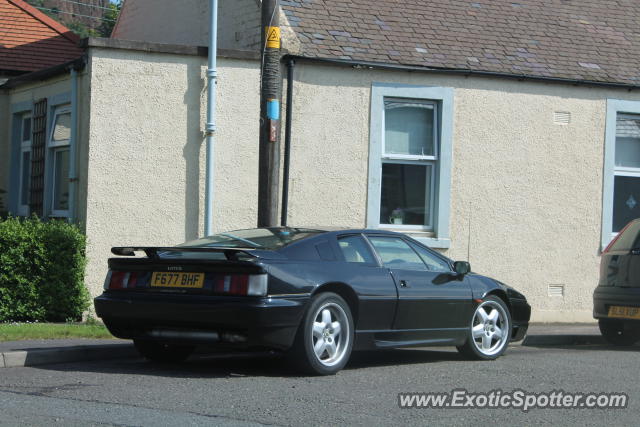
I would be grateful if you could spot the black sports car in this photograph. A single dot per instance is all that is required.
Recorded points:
(314, 294)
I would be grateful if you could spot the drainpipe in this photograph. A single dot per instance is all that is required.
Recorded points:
(287, 144)
(210, 128)
(73, 145)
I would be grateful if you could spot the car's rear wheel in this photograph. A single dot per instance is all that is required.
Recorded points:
(489, 331)
(325, 338)
(161, 352)
(619, 332)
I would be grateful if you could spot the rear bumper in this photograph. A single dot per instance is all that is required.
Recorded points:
(259, 322)
(606, 296)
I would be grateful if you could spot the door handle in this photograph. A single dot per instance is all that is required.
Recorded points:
(403, 284)
(635, 251)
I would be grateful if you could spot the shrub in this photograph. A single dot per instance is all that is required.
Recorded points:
(41, 271)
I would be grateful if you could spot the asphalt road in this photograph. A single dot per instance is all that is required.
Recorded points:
(258, 390)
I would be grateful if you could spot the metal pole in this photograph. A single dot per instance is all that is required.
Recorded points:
(212, 75)
(287, 144)
(269, 116)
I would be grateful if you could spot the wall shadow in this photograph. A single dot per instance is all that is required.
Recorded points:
(191, 151)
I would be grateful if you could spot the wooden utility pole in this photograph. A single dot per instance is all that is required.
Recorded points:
(269, 158)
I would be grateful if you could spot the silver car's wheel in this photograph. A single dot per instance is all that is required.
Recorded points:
(330, 334)
(324, 339)
(490, 330)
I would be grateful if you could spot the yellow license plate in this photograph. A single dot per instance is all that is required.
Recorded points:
(177, 280)
(624, 312)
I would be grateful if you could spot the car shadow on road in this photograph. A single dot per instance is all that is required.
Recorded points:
(578, 342)
(248, 364)
(584, 347)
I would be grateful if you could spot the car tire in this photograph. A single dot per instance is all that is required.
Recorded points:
(489, 330)
(162, 352)
(619, 332)
(324, 339)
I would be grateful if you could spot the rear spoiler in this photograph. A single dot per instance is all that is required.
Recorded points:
(230, 253)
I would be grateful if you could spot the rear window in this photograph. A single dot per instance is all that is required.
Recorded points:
(254, 238)
(629, 238)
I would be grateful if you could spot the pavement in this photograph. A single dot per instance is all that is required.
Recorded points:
(14, 354)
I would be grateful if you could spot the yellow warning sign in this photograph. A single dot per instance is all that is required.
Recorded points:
(273, 37)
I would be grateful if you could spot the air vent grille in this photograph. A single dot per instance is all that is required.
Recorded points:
(561, 117)
(556, 291)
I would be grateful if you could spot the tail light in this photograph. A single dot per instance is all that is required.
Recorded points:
(120, 280)
(241, 284)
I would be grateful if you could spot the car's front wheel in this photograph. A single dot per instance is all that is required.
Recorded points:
(619, 332)
(489, 330)
(325, 338)
(161, 352)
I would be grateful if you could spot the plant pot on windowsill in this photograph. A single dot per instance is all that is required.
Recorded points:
(397, 217)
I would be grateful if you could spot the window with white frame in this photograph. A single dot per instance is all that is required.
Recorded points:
(409, 156)
(410, 160)
(58, 144)
(25, 164)
(626, 180)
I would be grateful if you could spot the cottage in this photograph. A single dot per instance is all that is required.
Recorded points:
(505, 133)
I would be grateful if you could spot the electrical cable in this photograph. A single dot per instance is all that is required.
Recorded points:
(85, 4)
(75, 14)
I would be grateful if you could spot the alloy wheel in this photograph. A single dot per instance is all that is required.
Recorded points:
(330, 334)
(490, 328)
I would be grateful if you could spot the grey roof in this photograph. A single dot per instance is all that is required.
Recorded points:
(593, 40)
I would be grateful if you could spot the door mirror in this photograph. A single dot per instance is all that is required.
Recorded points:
(461, 267)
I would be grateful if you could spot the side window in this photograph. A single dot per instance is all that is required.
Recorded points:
(25, 164)
(355, 249)
(59, 140)
(396, 253)
(434, 263)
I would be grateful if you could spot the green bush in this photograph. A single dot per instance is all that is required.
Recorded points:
(41, 271)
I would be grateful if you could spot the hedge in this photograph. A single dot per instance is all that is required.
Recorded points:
(41, 271)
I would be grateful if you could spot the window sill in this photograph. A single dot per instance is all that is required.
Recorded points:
(406, 228)
(425, 237)
(59, 215)
(432, 242)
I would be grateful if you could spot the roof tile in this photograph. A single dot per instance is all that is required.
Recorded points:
(586, 40)
(30, 40)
